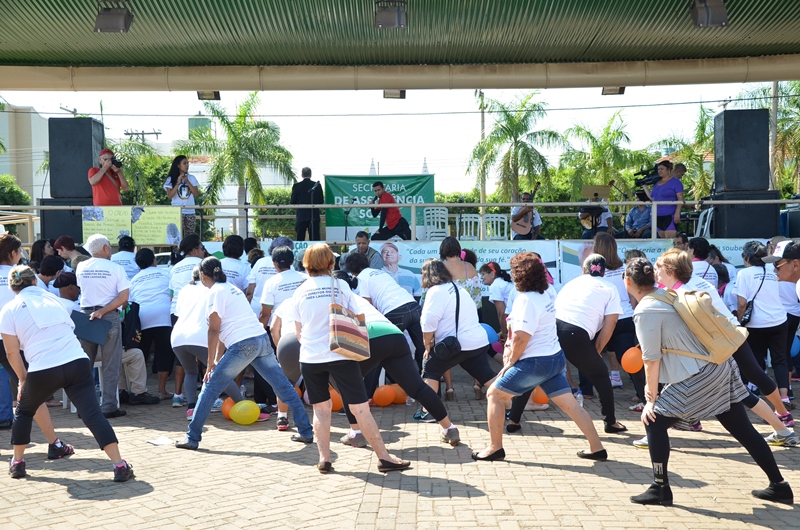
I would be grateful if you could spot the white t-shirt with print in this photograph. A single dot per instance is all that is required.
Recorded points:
(386, 295)
(127, 260)
(43, 348)
(615, 278)
(585, 302)
(179, 276)
(705, 270)
(282, 312)
(236, 271)
(789, 298)
(280, 288)
(439, 317)
(768, 310)
(183, 197)
(535, 314)
(699, 284)
(150, 289)
(191, 329)
(309, 306)
(371, 315)
(101, 281)
(237, 321)
(262, 270)
(499, 291)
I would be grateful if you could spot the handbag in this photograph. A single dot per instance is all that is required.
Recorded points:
(748, 308)
(449, 347)
(348, 330)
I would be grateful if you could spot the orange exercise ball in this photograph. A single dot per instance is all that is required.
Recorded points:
(399, 395)
(383, 396)
(336, 399)
(227, 405)
(632, 360)
(539, 396)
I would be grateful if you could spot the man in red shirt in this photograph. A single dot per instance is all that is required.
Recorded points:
(391, 223)
(107, 181)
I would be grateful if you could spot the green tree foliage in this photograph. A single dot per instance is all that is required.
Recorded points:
(247, 145)
(272, 228)
(12, 194)
(692, 153)
(2, 145)
(512, 146)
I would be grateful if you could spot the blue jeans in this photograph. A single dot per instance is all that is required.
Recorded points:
(5, 396)
(547, 372)
(258, 352)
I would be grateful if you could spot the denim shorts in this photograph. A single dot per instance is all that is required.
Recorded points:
(545, 372)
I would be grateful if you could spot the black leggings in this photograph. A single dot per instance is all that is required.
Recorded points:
(12, 375)
(580, 351)
(751, 371)
(774, 340)
(392, 353)
(735, 421)
(77, 380)
(164, 358)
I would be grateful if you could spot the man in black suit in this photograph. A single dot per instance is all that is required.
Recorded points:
(307, 219)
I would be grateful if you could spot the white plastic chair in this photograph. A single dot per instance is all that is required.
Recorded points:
(435, 223)
(496, 227)
(704, 223)
(470, 229)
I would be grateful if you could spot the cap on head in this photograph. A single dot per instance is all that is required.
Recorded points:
(106, 151)
(65, 279)
(788, 249)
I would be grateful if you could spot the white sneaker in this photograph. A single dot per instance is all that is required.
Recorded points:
(217, 406)
(637, 408)
(616, 381)
(189, 414)
(782, 441)
(641, 444)
(537, 406)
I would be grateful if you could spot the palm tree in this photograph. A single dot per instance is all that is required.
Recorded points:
(693, 151)
(601, 156)
(136, 156)
(248, 144)
(512, 145)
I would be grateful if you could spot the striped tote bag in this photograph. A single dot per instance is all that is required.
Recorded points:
(348, 331)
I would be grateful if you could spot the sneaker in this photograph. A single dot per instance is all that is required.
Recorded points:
(17, 469)
(782, 441)
(186, 443)
(54, 452)
(124, 397)
(283, 423)
(451, 437)
(427, 418)
(177, 401)
(189, 414)
(642, 443)
(144, 399)
(165, 396)
(301, 438)
(217, 406)
(787, 419)
(616, 381)
(694, 427)
(418, 415)
(357, 441)
(115, 413)
(263, 417)
(788, 403)
(637, 408)
(123, 472)
(776, 492)
(536, 406)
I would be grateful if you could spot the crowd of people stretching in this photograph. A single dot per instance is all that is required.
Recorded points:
(209, 319)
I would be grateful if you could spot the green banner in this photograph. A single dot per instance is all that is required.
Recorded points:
(148, 225)
(406, 189)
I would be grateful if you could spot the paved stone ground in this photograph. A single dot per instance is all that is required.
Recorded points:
(255, 477)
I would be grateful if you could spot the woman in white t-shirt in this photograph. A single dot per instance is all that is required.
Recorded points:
(232, 326)
(263, 270)
(150, 289)
(38, 324)
(533, 357)
(768, 324)
(189, 339)
(500, 289)
(234, 268)
(587, 309)
(309, 308)
(182, 188)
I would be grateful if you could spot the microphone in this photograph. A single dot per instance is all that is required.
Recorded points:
(314, 187)
(611, 183)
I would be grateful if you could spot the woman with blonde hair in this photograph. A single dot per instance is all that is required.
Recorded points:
(309, 308)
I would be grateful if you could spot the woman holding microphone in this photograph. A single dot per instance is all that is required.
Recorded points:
(181, 188)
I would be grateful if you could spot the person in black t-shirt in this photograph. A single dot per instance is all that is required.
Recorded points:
(307, 219)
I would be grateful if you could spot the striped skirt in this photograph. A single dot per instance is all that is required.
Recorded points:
(704, 395)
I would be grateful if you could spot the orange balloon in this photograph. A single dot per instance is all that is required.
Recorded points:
(399, 395)
(539, 396)
(227, 405)
(299, 392)
(632, 360)
(336, 399)
(383, 396)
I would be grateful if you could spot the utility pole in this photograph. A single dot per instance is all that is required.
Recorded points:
(141, 134)
(482, 178)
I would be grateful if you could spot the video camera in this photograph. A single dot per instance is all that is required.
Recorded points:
(649, 176)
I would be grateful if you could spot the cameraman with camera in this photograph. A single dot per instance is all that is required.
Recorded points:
(107, 180)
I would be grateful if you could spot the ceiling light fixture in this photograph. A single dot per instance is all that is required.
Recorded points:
(208, 95)
(709, 14)
(394, 94)
(613, 90)
(391, 14)
(113, 19)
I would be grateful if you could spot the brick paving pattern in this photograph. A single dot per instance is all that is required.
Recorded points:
(255, 477)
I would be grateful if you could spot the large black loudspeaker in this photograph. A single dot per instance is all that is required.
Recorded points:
(741, 150)
(75, 144)
(57, 223)
(756, 221)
